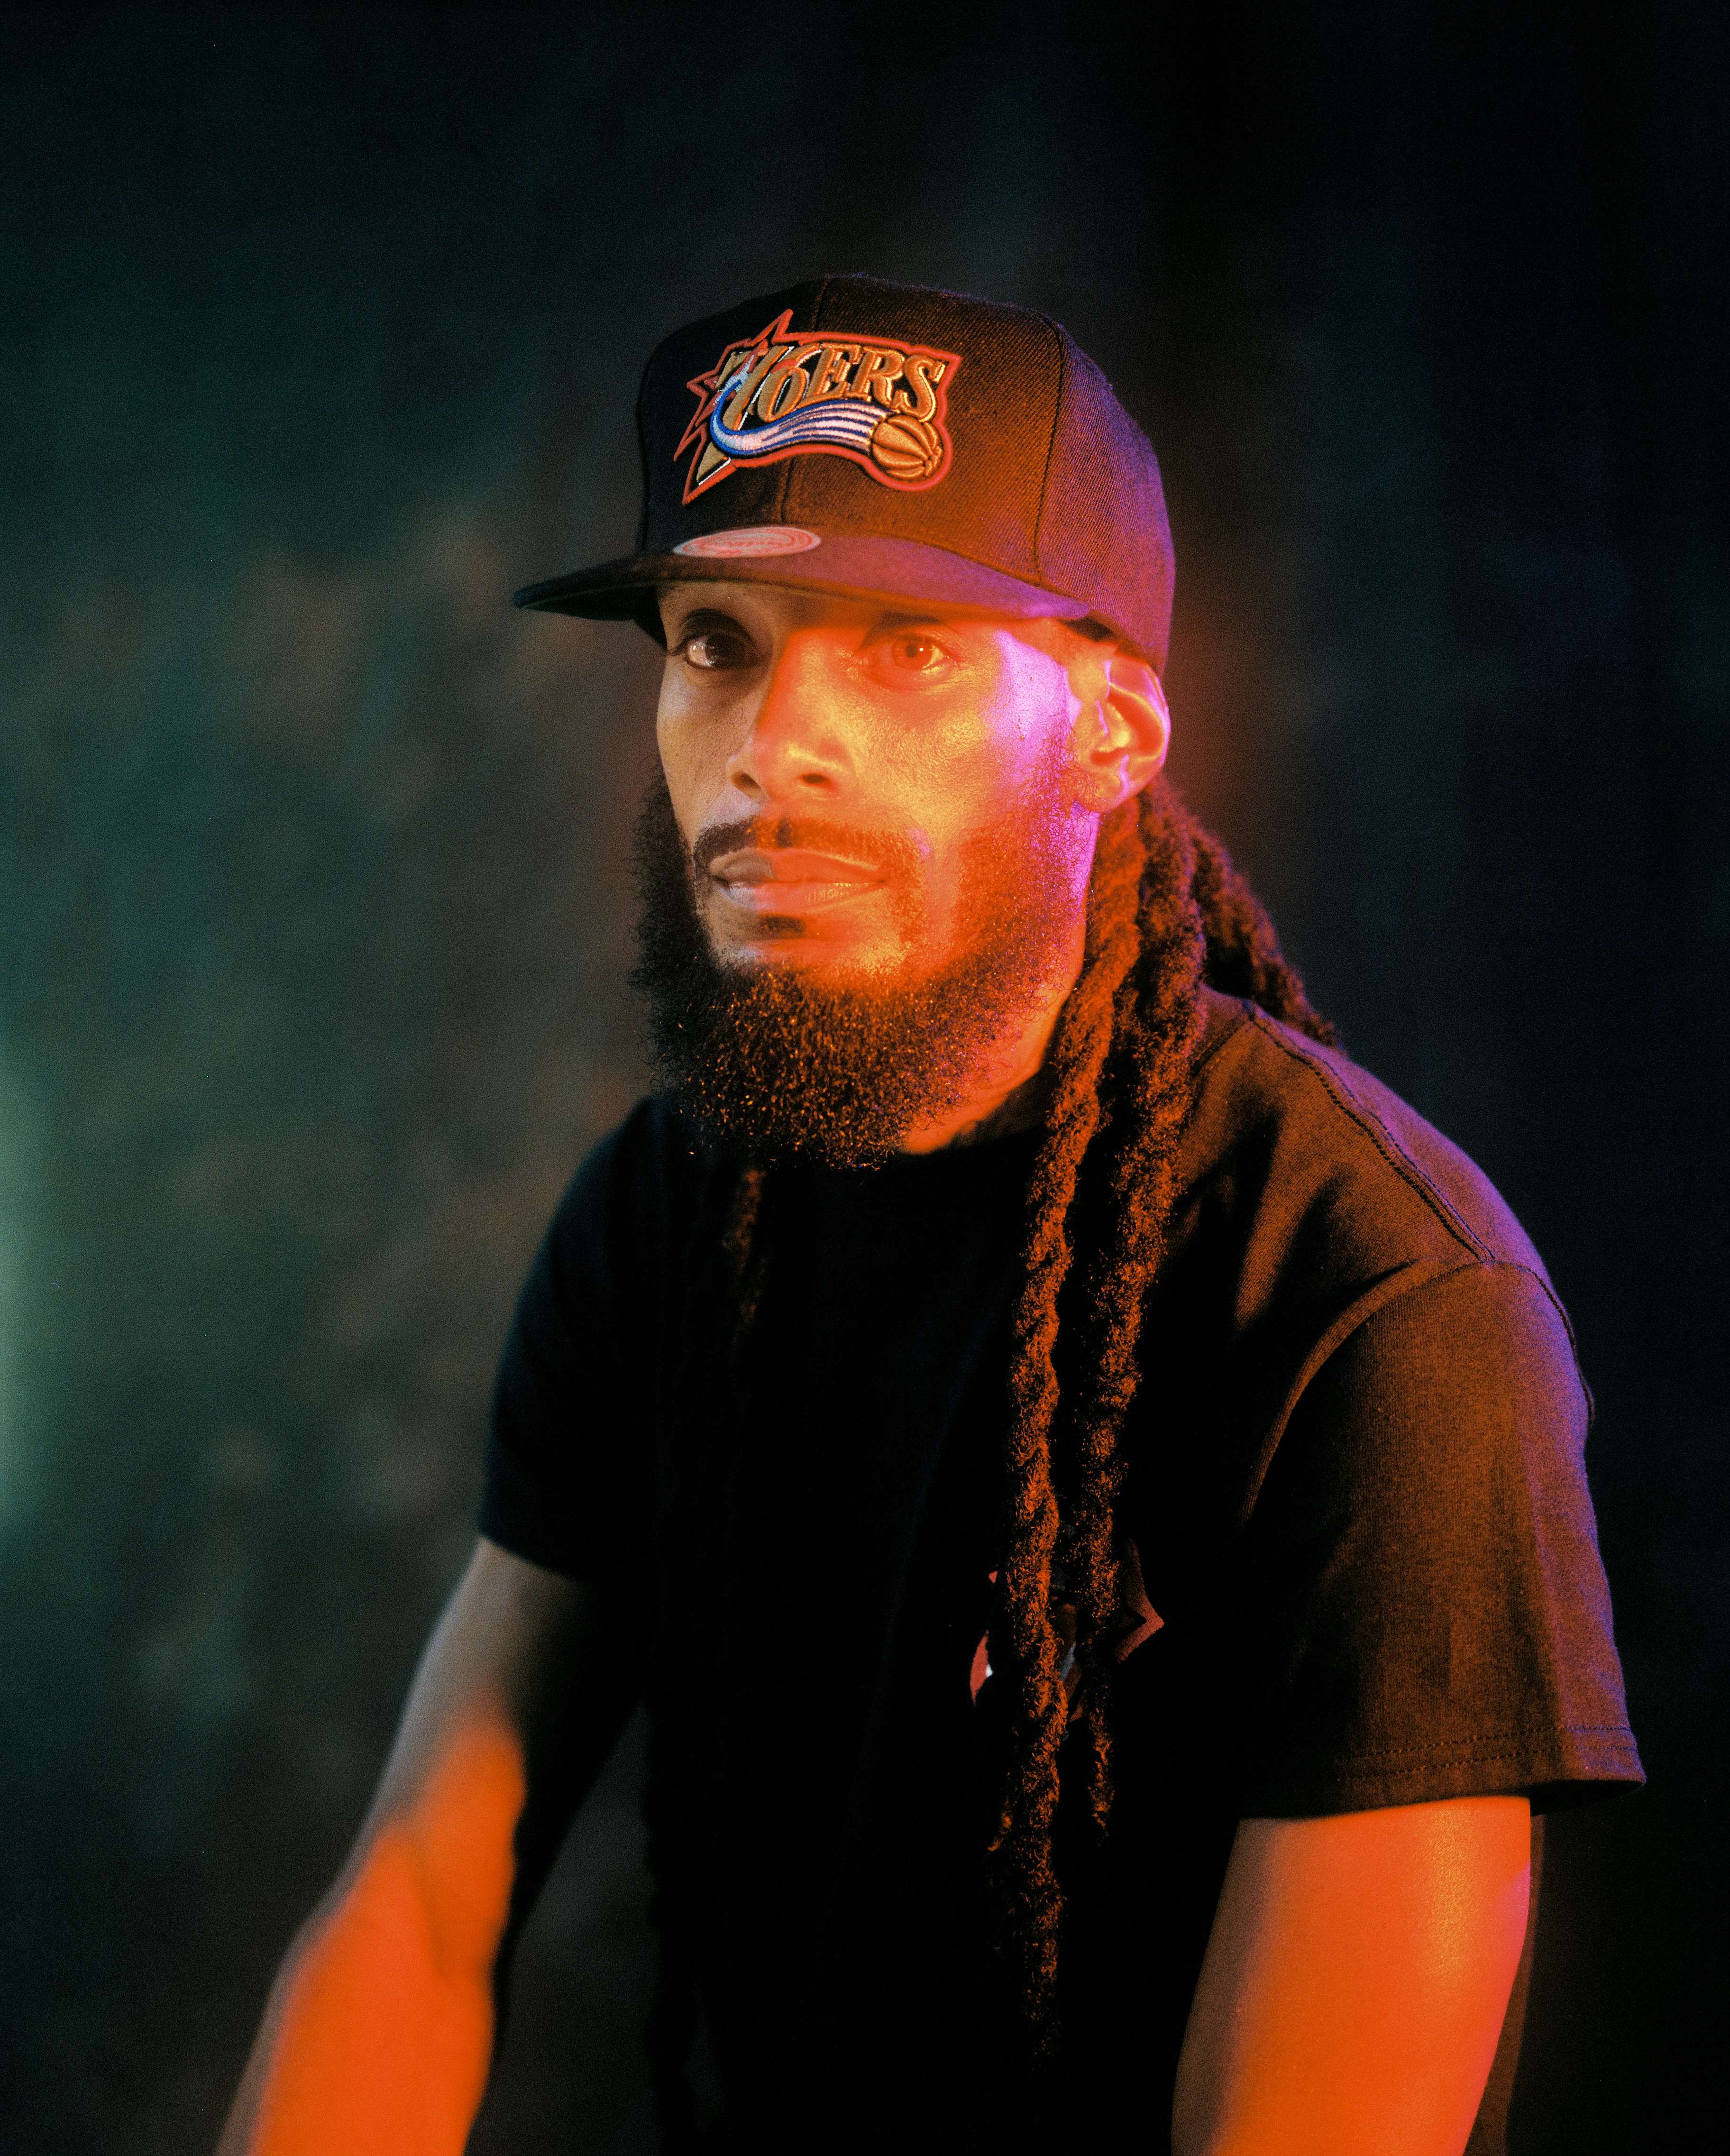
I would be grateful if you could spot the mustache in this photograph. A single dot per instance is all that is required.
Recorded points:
(896, 856)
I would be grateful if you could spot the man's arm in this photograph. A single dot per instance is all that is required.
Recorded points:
(378, 2033)
(1355, 1982)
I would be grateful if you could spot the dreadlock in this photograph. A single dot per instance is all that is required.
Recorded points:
(1079, 1049)
(1167, 911)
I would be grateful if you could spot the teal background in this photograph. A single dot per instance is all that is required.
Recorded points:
(318, 334)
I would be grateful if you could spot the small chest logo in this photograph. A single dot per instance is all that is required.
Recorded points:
(778, 395)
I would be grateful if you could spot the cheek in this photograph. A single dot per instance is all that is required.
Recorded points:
(1033, 714)
(959, 770)
(682, 745)
(1011, 750)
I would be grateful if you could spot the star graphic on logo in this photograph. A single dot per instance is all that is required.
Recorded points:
(747, 356)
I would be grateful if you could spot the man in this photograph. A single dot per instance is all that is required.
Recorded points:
(1089, 1482)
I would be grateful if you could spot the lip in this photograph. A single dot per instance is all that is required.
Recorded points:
(791, 879)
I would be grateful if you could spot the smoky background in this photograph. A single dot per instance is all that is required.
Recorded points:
(319, 333)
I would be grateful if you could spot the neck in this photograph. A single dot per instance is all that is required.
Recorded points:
(1010, 1090)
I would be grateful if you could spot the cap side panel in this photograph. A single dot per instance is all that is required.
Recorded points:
(1120, 554)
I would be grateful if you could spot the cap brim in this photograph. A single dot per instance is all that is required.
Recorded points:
(849, 565)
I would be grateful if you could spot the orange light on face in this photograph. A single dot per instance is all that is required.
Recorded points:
(897, 735)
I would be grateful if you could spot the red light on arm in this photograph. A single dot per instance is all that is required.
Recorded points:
(378, 2035)
(386, 2030)
(1355, 1982)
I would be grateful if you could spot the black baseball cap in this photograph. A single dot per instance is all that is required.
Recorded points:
(849, 435)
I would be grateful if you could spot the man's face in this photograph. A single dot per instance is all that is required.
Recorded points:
(865, 880)
(854, 779)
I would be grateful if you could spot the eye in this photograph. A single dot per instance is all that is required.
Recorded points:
(715, 650)
(909, 658)
(910, 652)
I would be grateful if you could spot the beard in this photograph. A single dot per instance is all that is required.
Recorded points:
(776, 1061)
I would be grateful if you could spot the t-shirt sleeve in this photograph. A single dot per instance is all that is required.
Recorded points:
(1425, 1611)
(569, 1474)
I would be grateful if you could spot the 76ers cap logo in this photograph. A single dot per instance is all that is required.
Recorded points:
(780, 394)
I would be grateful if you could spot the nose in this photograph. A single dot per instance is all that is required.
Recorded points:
(794, 743)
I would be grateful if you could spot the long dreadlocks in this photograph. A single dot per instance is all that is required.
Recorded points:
(1167, 911)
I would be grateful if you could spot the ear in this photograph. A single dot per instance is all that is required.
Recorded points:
(1122, 732)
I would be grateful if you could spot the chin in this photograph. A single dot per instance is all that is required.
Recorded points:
(825, 962)
(806, 943)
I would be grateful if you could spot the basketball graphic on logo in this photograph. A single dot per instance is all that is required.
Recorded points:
(906, 449)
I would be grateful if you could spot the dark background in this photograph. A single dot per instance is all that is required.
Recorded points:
(318, 334)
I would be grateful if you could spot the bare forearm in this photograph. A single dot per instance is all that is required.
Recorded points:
(368, 2043)
(379, 2031)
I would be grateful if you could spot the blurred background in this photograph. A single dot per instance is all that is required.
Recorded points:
(319, 332)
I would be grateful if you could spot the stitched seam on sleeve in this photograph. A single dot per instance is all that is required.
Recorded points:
(1432, 1755)
(1381, 1137)
(1532, 1273)
(1228, 1031)
(1406, 1281)
(1522, 1747)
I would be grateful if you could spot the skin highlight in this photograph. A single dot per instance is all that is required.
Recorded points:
(1355, 1982)
(360, 2084)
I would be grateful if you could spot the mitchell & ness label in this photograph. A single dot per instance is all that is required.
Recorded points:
(751, 539)
(778, 395)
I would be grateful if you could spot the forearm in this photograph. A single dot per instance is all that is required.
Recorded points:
(378, 2033)
(367, 2043)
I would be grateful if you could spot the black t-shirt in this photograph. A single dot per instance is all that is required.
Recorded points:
(1355, 1490)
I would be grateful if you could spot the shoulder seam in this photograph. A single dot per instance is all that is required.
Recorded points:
(1404, 1281)
(1409, 1173)
(1210, 1047)
(1383, 1140)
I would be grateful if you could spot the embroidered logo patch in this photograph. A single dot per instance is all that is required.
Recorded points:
(778, 395)
(750, 539)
